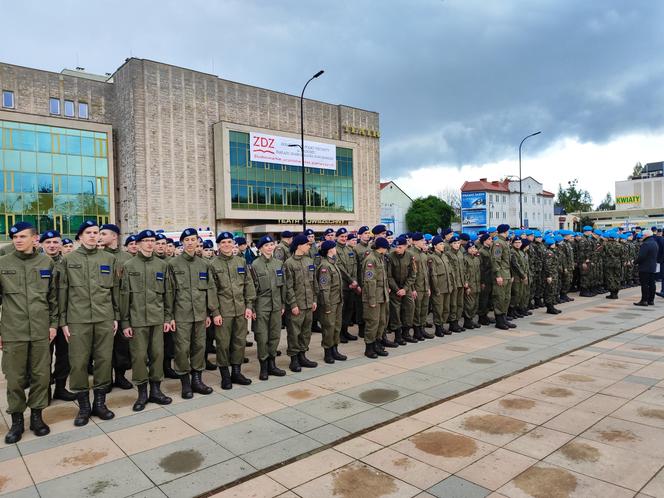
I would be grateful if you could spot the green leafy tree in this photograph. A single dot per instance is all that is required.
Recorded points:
(584, 221)
(574, 199)
(607, 204)
(636, 172)
(427, 214)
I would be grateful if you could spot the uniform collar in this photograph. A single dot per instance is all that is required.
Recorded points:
(143, 257)
(187, 257)
(84, 250)
(224, 257)
(24, 256)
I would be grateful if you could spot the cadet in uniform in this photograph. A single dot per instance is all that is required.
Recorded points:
(421, 287)
(160, 246)
(362, 249)
(375, 297)
(67, 246)
(130, 245)
(401, 274)
(301, 302)
(612, 265)
(146, 296)
(268, 274)
(89, 313)
(471, 287)
(455, 257)
(195, 298)
(347, 264)
(29, 322)
(502, 285)
(282, 250)
(109, 236)
(441, 285)
(550, 276)
(520, 279)
(52, 245)
(236, 295)
(486, 279)
(330, 298)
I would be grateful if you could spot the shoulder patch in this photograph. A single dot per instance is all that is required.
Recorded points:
(45, 273)
(323, 280)
(368, 274)
(323, 270)
(498, 251)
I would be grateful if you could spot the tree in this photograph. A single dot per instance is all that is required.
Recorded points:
(573, 199)
(636, 172)
(607, 204)
(584, 221)
(453, 198)
(427, 214)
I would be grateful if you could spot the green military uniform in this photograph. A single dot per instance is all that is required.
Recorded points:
(500, 268)
(535, 260)
(146, 297)
(194, 298)
(268, 275)
(471, 293)
(374, 296)
(301, 292)
(89, 304)
(442, 281)
(455, 257)
(486, 285)
(612, 266)
(567, 257)
(281, 252)
(362, 250)
(401, 274)
(423, 289)
(121, 353)
(519, 281)
(347, 265)
(236, 294)
(330, 299)
(550, 270)
(29, 310)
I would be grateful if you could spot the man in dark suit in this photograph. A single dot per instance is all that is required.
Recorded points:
(647, 261)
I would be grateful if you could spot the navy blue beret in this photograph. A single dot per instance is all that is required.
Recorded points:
(161, 236)
(362, 229)
(224, 236)
(111, 227)
(341, 231)
(265, 239)
(401, 241)
(240, 241)
(502, 228)
(187, 232)
(128, 240)
(208, 244)
(378, 229)
(326, 246)
(417, 236)
(145, 234)
(49, 234)
(329, 231)
(382, 243)
(19, 227)
(84, 225)
(286, 234)
(66, 242)
(298, 240)
(308, 232)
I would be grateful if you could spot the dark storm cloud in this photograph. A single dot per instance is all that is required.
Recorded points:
(455, 81)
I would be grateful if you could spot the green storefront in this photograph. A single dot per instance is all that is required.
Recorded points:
(52, 177)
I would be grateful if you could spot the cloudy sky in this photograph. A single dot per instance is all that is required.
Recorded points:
(457, 83)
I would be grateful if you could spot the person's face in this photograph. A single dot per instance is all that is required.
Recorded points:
(329, 236)
(420, 244)
(146, 246)
(267, 249)
(332, 253)
(66, 249)
(352, 242)
(287, 240)
(208, 253)
(381, 250)
(381, 235)
(132, 247)
(440, 247)
(302, 249)
(365, 237)
(472, 250)
(170, 249)
(226, 247)
(189, 243)
(342, 238)
(89, 237)
(179, 250)
(160, 246)
(400, 249)
(311, 239)
(53, 246)
(100, 244)
(488, 242)
(517, 244)
(24, 241)
(390, 239)
(108, 238)
(242, 247)
(456, 245)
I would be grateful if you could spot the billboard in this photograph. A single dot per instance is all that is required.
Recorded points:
(473, 200)
(286, 150)
(473, 218)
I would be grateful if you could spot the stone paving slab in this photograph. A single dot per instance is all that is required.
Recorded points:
(611, 389)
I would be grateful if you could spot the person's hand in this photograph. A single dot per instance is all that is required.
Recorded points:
(65, 332)
(295, 311)
(584, 266)
(482, 286)
(115, 326)
(128, 333)
(401, 292)
(253, 315)
(429, 292)
(218, 320)
(283, 310)
(0, 343)
(414, 294)
(499, 281)
(172, 325)
(314, 307)
(52, 332)
(208, 321)
(248, 314)
(468, 291)
(372, 306)
(167, 327)
(525, 280)
(549, 280)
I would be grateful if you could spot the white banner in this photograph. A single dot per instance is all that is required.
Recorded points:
(277, 150)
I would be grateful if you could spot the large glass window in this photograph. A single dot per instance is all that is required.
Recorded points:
(52, 177)
(257, 185)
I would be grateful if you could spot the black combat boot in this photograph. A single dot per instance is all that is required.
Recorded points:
(37, 424)
(508, 323)
(272, 368)
(345, 336)
(425, 334)
(209, 365)
(361, 327)
(187, 393)
(295, 364)
(398, 338)
(197, 384)
(121, 381)
(99, 408)
(369, 351)
(613, 295)
(263, 374)
(237, 377)
(142, 400)
(16, 430)
(500, 322)
(439, 331)
(226, 382)
(468, 323)
(328, 358)
(454, 327)
(169, 373)
(337, 355)
(387, 343)
(84, 409)
(379, 348)
(405, 333)
(417, 334)
(156, 396)
(306, 362)
(484, 320)
(61, 391)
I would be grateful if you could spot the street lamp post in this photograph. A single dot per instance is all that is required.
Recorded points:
(520, 179)
(304, 190)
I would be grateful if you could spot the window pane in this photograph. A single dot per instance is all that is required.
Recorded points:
(8, 99)
(23, 140)
(73, 145)
(44, 142)
(83, 110)
(69, 108)
(45, 184)
(88, 146)
(54, 106)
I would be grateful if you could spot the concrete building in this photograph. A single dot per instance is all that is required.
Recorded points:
(489, 203)
(394, 204)
(160, 146)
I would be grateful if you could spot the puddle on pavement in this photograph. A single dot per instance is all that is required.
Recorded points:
(404, 463)
(650, 349)
(3, 482)
(362, 482)
(656, 337)
(299, 394)
(605, 323)
(59, 413)
(86, 457)
(626, 315)
(556, 392)
(651, 412)
(119, 401)
(494, 424)
(576, 378)
(580, 328)
(543, 324)
(549, 335)
(517, 403)
(181, 462)
(580, 452)
(618, 436)
(517, 348)
(482, 361)
(341, 405)
(379, 395)
(613, 364)
(445, 444)
(541, 482)
(99, 487)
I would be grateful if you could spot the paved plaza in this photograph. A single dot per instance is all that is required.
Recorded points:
(564, 405)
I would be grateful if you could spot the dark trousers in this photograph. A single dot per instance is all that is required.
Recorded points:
(61, 367)
(648, 286)
(121, 355)
(661, 275)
